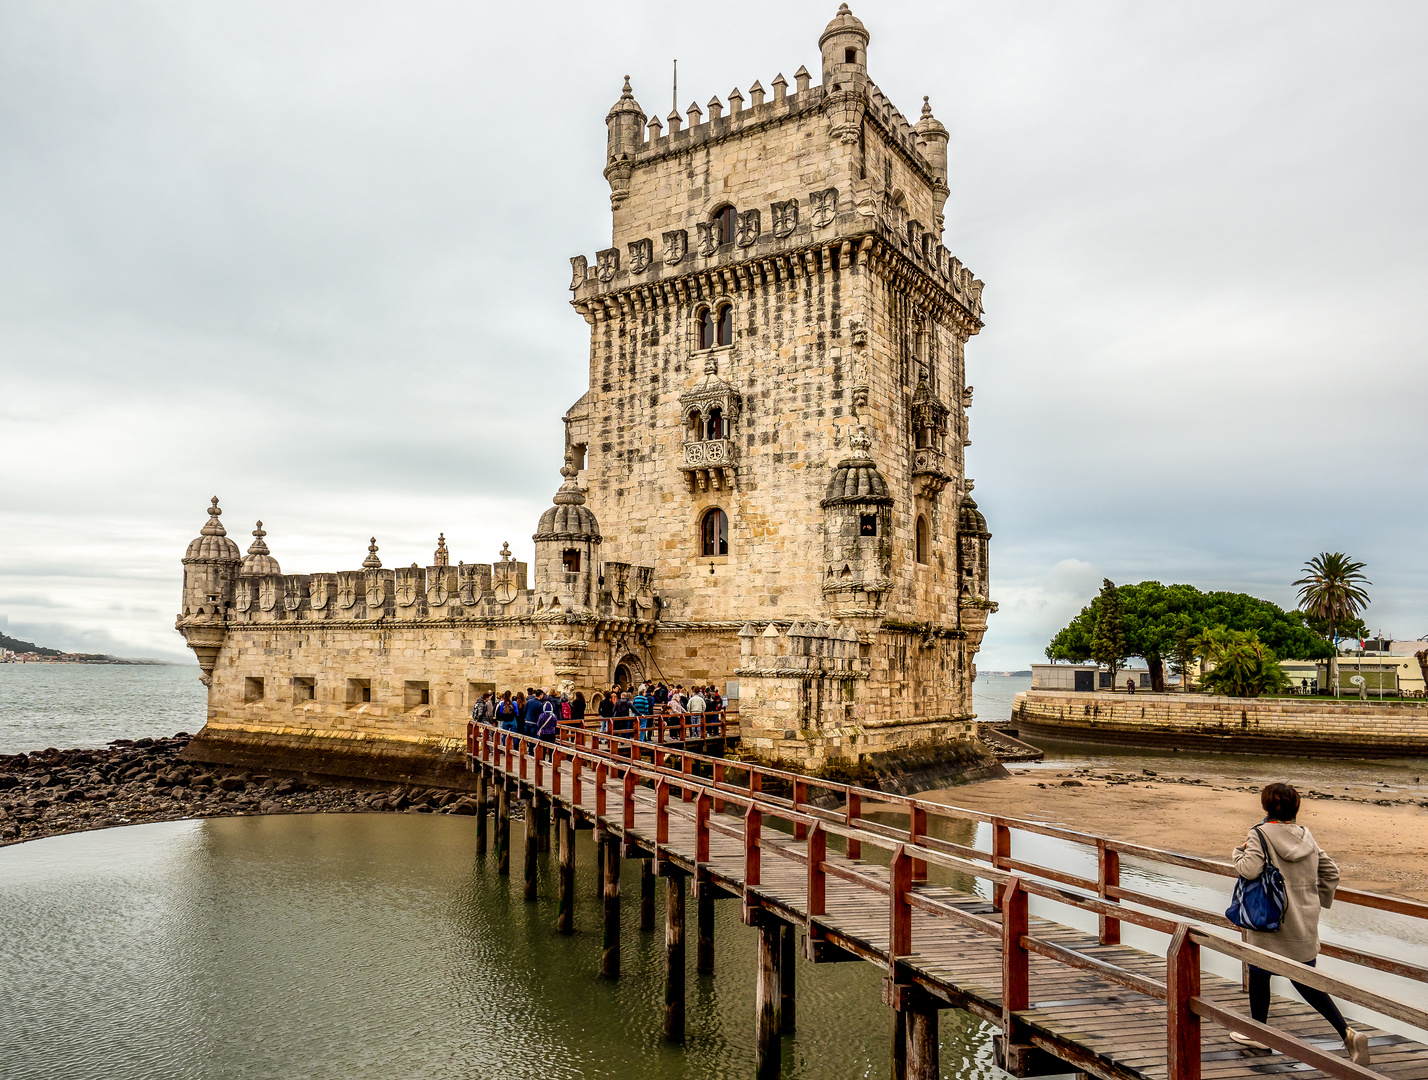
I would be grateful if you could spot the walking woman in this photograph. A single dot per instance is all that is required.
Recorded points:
(1310, 880)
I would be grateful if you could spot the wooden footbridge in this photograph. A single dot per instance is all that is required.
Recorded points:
(859, 889)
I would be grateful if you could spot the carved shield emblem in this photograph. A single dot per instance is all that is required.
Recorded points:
(607, 264)
(748, 228)
(268, 594)
(436, 590)
(641, 256)
(823, 207)
(346, 590)
(319, 592)
(785, 217)
(243, 597)
(708, 243)
(676, 246)
(579, 267)
(406, 591)
(376, 591)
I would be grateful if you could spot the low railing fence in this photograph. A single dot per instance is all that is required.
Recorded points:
(607, 760)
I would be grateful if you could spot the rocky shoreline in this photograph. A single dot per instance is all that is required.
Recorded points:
(132, 782)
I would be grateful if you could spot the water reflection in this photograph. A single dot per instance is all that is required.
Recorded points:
(376, 945)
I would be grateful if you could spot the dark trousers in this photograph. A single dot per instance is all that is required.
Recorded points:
(1322, 1002)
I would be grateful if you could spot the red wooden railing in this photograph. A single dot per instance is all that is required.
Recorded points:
(838, 810)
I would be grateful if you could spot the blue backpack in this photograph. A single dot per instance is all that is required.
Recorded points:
(1259, 904)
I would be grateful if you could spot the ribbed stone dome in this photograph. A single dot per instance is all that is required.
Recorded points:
(213, 544)
(856, 479)
(569, 518)
(969, 518)
(258, 562)
(845, 20)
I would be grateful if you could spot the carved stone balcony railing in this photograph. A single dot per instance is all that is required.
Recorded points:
(710, 463)
(929, 471)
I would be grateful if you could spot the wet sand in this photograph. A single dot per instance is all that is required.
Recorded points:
(1381, 848)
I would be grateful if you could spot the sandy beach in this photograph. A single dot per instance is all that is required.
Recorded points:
(1382, 848)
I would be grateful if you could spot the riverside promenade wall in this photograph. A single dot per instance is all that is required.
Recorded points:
(1211, 722)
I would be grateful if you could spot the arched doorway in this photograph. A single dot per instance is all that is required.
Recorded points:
(629, 672)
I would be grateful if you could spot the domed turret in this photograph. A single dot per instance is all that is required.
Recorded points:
(973, 550)
(857, 547)
(259, 563)
(210, 572)
(624, 124)
(567, 543)
(932, 141)
(844, 44)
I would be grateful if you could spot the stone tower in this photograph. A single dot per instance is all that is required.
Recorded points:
(210, 573)
(778, 404)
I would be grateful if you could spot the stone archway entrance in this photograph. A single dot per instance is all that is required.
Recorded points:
(629, 672)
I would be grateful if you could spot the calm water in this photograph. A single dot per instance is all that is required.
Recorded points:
(377, 946)
(69, 705)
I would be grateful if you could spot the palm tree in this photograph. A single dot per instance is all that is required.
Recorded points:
(1332, 589)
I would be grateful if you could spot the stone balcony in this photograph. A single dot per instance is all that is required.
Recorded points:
(929, 471)
(710, 463)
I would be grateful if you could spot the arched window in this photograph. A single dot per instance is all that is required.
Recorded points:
(706, 329)
(725, 329)
(924, 540)
(714, 426)
(694, 426)
(714, 533)
(724, 225)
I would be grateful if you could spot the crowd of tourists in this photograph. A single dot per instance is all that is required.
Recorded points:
(630, 713)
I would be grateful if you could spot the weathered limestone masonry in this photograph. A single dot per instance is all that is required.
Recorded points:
(764, 483)
(1208, 721)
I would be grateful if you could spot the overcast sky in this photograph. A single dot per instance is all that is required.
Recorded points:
(312, 257)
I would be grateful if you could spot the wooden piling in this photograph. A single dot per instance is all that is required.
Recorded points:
(610, 861)
(704, 917)
(532, 844)
(921, 1054)
(786, 1014)
(542, 807)
(565, 913)
(647, 894)
(503, 829)
(767, 1051)
(674, 958)
(482, 784)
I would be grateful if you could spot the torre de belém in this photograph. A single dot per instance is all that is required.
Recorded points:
(763, 486)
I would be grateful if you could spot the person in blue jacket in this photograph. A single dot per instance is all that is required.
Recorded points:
(535, 702)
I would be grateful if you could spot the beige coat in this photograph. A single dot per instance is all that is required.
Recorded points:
(1310, 879)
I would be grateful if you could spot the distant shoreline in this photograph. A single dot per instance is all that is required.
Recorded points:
(106, 661)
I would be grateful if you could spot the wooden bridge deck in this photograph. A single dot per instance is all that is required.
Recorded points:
(1086, 1020)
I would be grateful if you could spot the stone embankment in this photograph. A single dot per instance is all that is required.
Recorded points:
(1280, 726)
(50, 792)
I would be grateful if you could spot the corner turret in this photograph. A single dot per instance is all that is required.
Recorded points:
(844, 44)
(624, 125)
(210, 570)
(567, 543)
(857, 545)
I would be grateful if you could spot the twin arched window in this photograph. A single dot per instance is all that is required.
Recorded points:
(702, 429)
(716, 327)
(714, 533)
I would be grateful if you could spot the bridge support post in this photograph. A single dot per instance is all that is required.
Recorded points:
(532, 844)
(482, 794)
(768, 1052)
(786, 1008)
(674, 958)
(503, 828)
(915, 1042)
(647, 894)
(610, 862)
(704, 918)
(542, 806)
(565, 913)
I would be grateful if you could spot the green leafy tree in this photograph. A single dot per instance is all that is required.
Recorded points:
(1108, 638)
(1332, 590)
(1240, 665)
(1161, 623)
